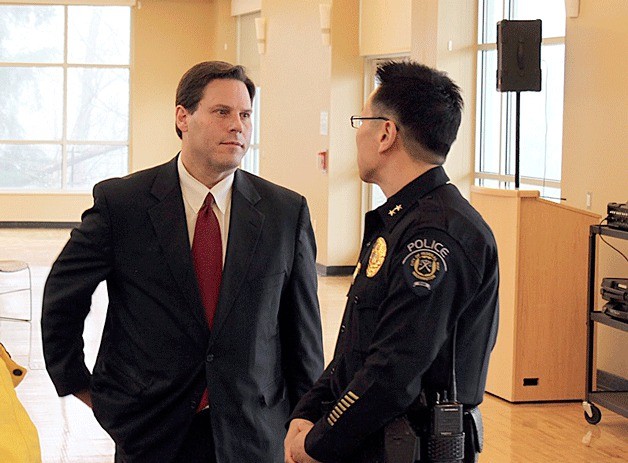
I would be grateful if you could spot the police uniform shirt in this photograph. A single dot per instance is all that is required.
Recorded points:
(428, 262)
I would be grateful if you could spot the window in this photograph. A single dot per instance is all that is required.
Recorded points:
(541, 112)
(64, 111)
(249, 57)
(250, 162)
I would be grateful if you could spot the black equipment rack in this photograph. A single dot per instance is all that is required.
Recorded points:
(616, 401)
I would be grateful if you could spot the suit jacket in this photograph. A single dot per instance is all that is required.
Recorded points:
(157, 353)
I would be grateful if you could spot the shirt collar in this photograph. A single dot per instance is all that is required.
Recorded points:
(194, 192)
(398, 204)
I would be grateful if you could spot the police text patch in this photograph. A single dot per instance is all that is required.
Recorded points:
(425, 265)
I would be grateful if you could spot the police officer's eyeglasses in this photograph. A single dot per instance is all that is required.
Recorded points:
(356, 121)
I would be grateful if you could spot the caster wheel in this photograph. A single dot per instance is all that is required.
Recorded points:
(595, 417)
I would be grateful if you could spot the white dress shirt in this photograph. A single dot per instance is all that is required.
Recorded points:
(194, 194)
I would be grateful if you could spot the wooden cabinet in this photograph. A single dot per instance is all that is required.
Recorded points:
(541, 349)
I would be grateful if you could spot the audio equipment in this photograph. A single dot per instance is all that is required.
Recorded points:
(617, 215)
(615, 291)
(519, 55)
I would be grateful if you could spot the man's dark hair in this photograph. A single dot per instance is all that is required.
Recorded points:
(425, 104)
(193, 83)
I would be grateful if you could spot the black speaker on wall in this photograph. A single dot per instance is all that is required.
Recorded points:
(519, 56)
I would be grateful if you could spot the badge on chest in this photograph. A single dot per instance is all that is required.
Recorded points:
(377, 257)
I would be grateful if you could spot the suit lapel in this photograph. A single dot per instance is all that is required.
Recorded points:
(245, 227)
(168, 217)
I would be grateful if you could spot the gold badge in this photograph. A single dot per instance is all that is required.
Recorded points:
(378, 254)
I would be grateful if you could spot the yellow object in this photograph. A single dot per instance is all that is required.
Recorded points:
(19, 442)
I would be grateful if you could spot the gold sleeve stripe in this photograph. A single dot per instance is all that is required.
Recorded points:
(342, 406)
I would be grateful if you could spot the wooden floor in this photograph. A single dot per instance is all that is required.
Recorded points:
(522, 433)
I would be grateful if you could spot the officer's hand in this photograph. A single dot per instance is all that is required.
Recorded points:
(297, 426)
(297, 448)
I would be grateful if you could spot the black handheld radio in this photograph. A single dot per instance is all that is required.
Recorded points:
(445, 444)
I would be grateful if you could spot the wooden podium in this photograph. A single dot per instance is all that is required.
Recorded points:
(541, 347)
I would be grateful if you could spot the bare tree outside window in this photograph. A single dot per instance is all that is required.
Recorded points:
(64, 114)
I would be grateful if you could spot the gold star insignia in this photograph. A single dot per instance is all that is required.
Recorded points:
(394, 210)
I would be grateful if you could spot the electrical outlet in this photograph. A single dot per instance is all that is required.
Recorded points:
(589, 195)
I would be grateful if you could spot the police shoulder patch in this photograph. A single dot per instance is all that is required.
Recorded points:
(425, 264)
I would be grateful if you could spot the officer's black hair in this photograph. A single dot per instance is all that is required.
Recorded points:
(425, 103)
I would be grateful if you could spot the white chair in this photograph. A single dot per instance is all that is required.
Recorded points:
(14, 266)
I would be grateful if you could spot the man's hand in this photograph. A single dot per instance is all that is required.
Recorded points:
(297, 426)
(84, 396)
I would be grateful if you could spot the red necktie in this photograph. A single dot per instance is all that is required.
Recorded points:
(207, 257)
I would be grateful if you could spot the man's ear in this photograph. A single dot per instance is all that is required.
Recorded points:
(181, 118)
(388, 136)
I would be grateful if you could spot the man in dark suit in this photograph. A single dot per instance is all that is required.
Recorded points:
(165, 349)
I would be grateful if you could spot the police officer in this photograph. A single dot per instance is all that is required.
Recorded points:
(425, 286)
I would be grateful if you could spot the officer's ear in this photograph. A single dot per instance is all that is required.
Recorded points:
(388, 136)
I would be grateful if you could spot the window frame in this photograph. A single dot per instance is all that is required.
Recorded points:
(64, 141)
(251, 160)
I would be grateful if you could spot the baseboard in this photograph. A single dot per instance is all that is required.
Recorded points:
(39, 224)
(610, 382)
(334, 270)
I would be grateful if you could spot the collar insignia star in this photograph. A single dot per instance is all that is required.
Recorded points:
(394, 210)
